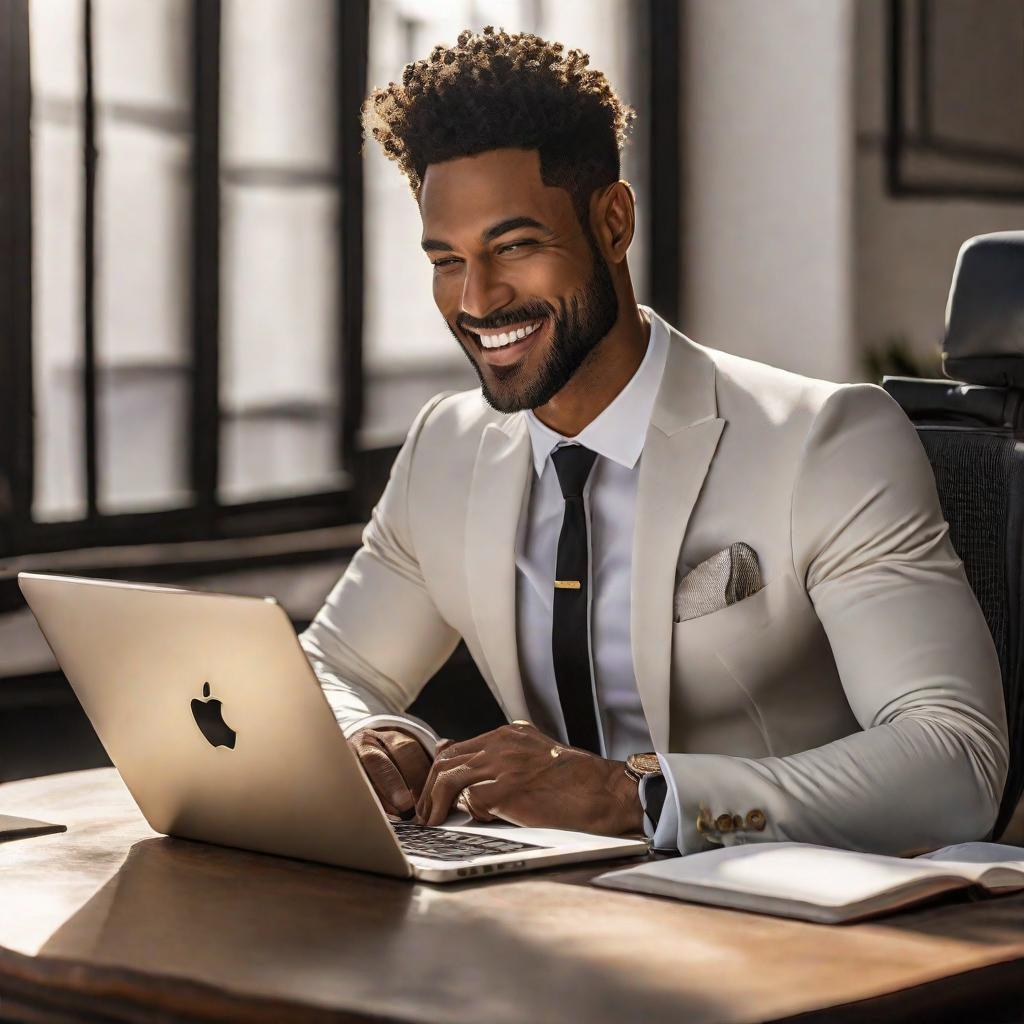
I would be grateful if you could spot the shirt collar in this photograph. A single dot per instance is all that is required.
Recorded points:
(619, 431)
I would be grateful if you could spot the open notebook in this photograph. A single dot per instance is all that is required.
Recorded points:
(818, 883)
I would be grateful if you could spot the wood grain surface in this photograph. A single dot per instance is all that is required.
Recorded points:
(111, 921)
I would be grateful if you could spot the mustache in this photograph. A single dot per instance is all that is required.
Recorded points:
(520, 316)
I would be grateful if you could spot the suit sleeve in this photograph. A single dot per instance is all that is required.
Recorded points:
(913, 651)
(379, 636)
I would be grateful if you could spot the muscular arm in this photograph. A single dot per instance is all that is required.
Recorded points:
(914, 654)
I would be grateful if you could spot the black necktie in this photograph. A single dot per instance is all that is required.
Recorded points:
(570, 633)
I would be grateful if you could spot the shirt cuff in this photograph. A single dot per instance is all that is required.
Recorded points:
(427, 738)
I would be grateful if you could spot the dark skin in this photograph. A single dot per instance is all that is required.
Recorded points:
(480, 277)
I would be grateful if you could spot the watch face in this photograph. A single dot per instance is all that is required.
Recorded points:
(644, 764)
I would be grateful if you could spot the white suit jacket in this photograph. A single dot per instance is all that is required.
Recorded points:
(855, 701)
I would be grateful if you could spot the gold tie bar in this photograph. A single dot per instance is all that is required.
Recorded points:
(567, 584)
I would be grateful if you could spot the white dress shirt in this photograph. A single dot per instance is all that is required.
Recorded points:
(617, 435)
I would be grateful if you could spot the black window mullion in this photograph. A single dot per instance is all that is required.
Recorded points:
(89, 272)
(16, 434)
(665, 160)
(894, 98)
(205, 288)
(353, 20)
(924, 78)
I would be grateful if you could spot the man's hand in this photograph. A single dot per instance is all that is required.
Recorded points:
(518, 774)
(396, 764)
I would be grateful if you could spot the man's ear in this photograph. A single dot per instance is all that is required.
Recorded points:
(614, 213)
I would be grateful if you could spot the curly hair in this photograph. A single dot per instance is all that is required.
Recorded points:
(495, 90)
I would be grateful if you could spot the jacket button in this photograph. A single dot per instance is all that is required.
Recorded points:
(756, 819)
(724, 823)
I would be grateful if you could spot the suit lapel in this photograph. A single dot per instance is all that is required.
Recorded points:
(497, 493)
(680, 444)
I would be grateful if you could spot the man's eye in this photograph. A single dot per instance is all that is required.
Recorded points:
(445, 262)
(515, 245)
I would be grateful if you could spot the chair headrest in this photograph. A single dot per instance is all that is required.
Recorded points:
(984, 341)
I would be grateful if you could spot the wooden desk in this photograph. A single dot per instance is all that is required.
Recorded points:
(109, 921)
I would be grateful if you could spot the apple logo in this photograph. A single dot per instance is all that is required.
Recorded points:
(211, 722)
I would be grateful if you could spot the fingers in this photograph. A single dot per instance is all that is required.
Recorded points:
(383, 773)
(425, 802)
(442, 758)
(476, 743)
(412, 761)
(448, 777)
(450, 749)
(474, 799)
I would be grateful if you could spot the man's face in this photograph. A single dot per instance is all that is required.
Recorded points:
(522, 287)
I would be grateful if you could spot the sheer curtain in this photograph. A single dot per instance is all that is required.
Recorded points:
(280, 196)
(57, 216)
(142, 88)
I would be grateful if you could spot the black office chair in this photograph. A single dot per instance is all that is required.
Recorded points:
(972, 428)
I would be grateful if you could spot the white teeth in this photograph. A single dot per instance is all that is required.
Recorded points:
(500, 340)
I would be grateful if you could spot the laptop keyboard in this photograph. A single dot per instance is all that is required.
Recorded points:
(447, 844)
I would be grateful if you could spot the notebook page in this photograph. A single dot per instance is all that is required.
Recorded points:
(1002, 864)
(979, 853)
(798, 872)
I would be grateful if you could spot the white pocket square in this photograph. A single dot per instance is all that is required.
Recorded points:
(731, 575)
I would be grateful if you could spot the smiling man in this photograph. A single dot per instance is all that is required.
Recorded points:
(716, 601)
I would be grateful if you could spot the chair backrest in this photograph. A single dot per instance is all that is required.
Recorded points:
(978, 461)
(973, 432)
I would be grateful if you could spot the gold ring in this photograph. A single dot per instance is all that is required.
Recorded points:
(555, 752)
(520, 721)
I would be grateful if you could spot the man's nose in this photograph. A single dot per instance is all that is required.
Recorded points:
(483, 291)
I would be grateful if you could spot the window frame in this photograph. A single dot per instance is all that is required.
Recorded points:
(16, 468)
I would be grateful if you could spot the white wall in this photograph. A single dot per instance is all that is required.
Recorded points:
(768, 136)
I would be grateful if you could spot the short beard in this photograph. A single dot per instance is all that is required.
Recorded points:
(575, 334)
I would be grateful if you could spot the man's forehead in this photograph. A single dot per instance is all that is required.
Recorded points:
(471, 194)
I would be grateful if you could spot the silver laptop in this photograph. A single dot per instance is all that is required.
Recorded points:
(211, 712)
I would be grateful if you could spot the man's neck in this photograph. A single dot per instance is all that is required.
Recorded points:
(597, 383)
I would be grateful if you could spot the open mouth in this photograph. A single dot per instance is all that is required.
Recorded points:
(505, 345)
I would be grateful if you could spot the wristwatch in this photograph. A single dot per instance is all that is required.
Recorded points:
(647, 766)
(639, 765)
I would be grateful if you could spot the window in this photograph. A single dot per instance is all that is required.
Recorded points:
(196, 315)
(192, 232)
